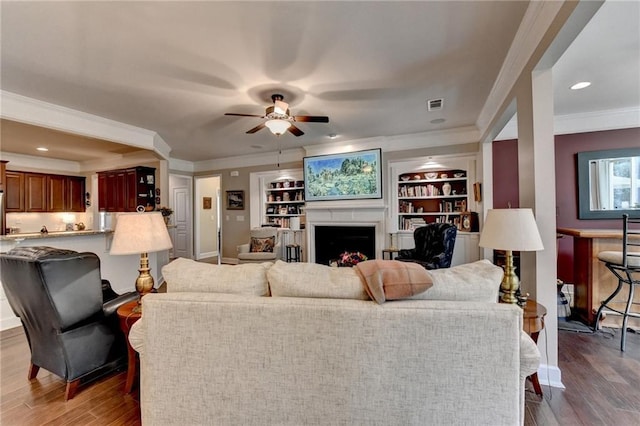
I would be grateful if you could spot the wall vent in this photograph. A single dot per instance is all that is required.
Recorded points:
(434, 104)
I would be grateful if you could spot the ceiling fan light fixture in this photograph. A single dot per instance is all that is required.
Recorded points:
(277, 126)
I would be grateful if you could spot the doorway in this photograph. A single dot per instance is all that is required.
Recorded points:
(181, 222)
(207, 219)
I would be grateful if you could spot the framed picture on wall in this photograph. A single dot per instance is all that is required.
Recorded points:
(206, 203)
(235, 200)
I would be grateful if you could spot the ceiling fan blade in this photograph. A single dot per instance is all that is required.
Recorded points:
(311, 119)
(293, 129)
(258, 127)
(243, 115)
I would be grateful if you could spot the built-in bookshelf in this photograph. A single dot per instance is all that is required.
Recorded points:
(433, 196)
(284, 200)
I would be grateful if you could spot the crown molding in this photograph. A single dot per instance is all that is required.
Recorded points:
(251, 160)
(585, 122)
(30, 163)
(32, 111)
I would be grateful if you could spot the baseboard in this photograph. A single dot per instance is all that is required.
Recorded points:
(230, 260)
(550, 375)
(8, 323)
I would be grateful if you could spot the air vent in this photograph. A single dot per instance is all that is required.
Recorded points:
(434, 104)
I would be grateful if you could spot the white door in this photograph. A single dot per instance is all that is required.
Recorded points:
(181, 202)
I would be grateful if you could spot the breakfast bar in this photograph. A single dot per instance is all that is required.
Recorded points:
(593, 281)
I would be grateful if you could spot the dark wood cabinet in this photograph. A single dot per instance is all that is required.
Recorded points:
(125, 190)
(35, 192)
(57, 193)
(76, 189)
(39, 192)
(14, 191)
(3, 171)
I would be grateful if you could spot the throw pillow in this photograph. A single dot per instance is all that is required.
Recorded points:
(262, 245)
(393, 280)
(315, 281)
(186, 275)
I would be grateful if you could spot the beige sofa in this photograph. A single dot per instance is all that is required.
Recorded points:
(317, 352)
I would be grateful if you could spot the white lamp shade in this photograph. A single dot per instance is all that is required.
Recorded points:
(511, 229)
(140, 233)
(278, 127)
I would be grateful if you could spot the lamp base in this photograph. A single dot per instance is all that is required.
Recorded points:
(144, 282)
(510, 282)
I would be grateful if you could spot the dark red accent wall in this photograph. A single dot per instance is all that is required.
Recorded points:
(566, 147)
(505, 174)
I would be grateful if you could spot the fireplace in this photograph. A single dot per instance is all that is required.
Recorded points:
(331, 241)
(347, 218)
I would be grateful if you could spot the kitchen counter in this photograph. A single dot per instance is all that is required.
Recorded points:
(51, 234)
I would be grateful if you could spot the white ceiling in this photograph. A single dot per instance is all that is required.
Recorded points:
(176, 67)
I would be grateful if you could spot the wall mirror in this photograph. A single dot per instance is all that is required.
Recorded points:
(609, 183)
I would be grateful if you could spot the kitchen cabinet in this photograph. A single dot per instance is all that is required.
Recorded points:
(65, 193)
(41, 193)
(35, 192)
(14, 191)
(3, 171)
(125, 190)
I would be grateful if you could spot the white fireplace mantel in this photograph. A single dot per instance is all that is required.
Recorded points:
(352, 214)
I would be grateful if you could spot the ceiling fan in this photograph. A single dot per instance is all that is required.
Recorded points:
(279, 119)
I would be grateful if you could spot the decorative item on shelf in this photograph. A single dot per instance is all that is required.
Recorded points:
(404, 178)
(446, 188)
(166, 214)
(468, 221)
(416, 177)
(458, 175)
(80, 226)
(348, 259)
(510, 230)
(431, 175)
(444, 176)
(140, 233)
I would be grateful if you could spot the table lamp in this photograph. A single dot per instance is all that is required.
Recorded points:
(510, 230)
(140, 233)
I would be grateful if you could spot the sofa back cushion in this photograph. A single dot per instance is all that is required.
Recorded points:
(315, 281)
(186, 275)
(477, 281)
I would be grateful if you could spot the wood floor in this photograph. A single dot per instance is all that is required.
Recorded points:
(602, 388)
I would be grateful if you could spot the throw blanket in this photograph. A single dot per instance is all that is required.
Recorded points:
(392, 280)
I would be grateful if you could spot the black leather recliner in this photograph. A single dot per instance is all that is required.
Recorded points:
(434, 245)
(68, 312)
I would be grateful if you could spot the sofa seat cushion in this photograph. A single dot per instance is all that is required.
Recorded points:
(477, 281)
(186, 275)
(315, 281)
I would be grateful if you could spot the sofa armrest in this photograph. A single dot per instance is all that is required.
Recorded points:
(529, 355)
(136, 334)
(243, 248)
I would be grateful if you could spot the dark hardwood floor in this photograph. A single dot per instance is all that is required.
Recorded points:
(602, 388)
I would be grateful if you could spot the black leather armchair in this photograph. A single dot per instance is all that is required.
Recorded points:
(68, 312)
(434, 245)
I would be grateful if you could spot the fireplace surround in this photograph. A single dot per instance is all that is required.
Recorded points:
(354, 218)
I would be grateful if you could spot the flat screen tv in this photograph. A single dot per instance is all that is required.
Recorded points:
(346, 176)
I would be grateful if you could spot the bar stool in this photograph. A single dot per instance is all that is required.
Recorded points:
(625, 265)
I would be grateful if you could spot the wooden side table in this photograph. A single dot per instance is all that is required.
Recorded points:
(127, 318)
(390, 252)
(533, 323)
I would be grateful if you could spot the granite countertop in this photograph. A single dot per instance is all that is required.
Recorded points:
(51, 234)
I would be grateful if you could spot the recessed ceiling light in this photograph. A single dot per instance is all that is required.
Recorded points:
(257, 146)
(42, 148)
(581, 85)
(438, 121)
(333, 136)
